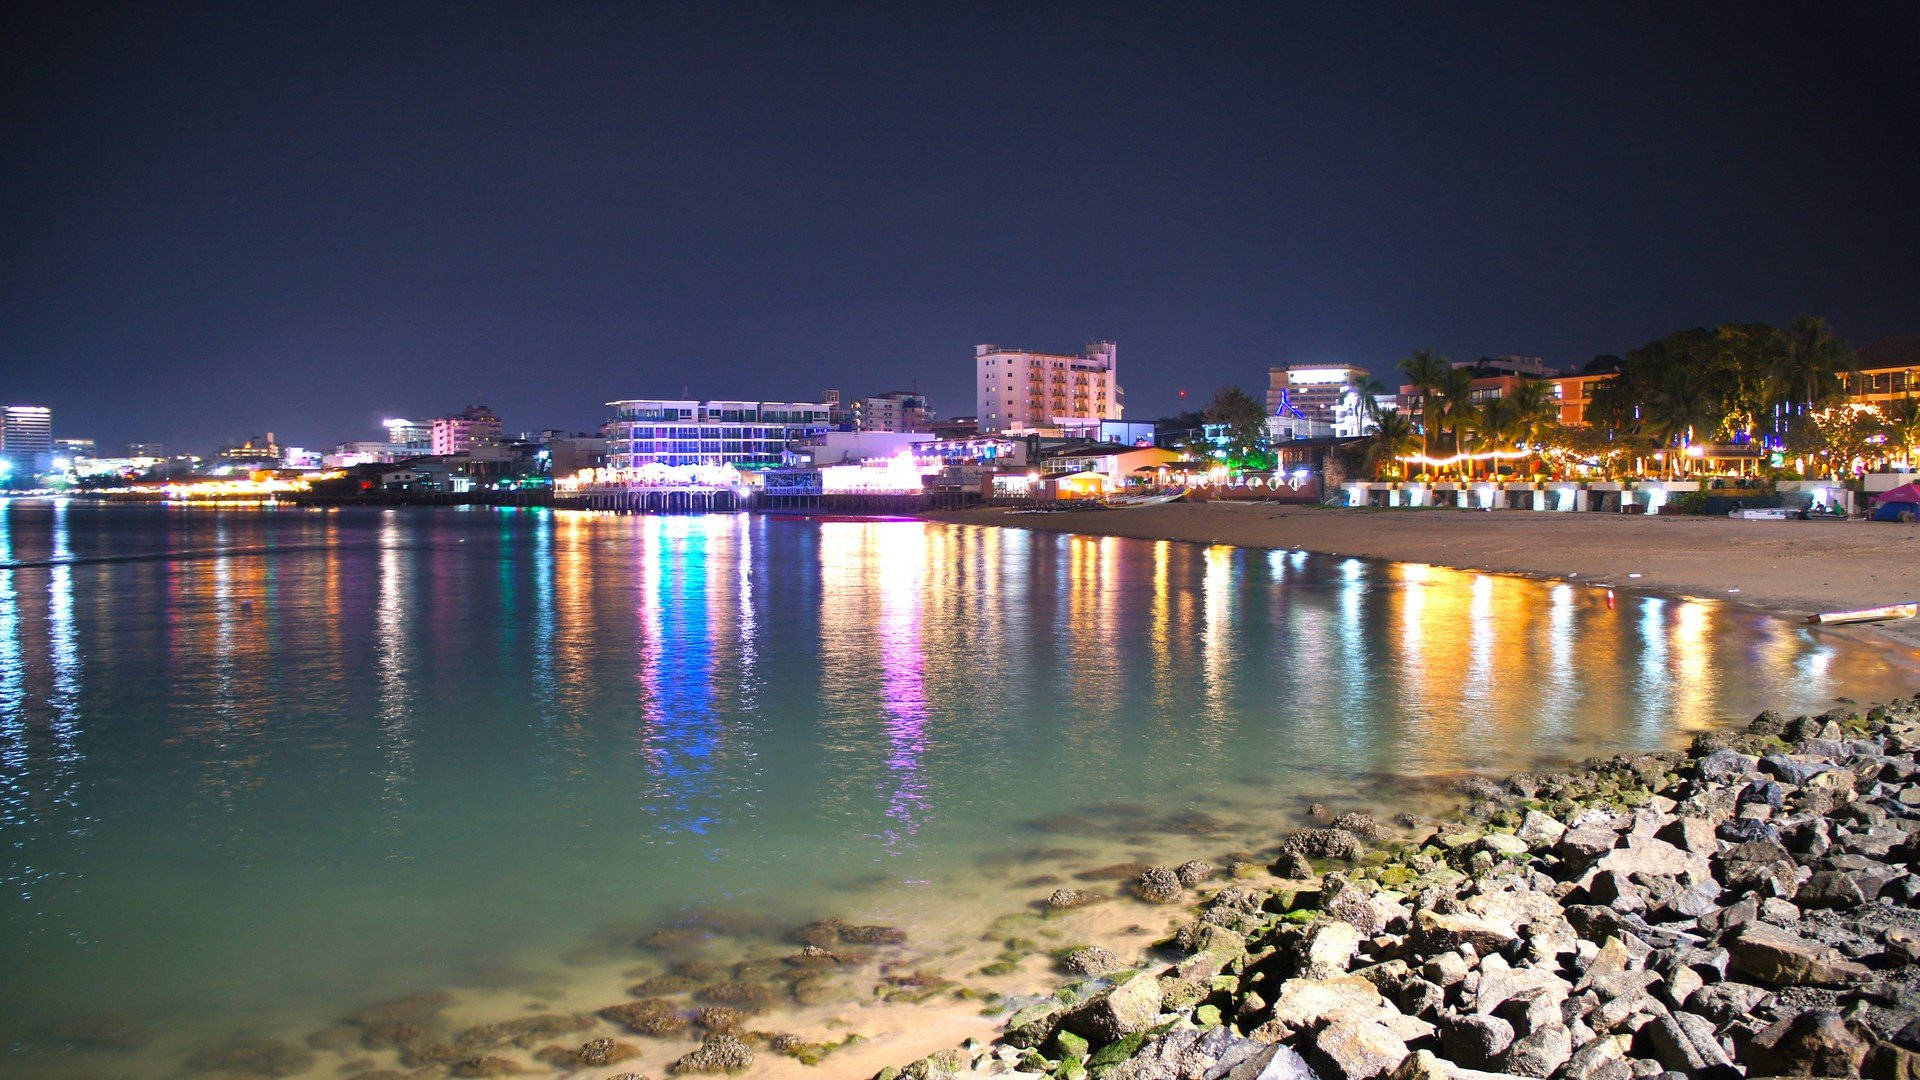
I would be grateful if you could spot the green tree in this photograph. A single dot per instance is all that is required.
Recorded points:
(1424, 372)
(1455, 397)
(1245, 422)
(1393, 438)
(1813, 361)
(1368, 389)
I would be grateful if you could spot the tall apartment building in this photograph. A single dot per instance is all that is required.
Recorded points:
(409, 434)
(26, 439)
(1315, 390)
(744, 434)
(895, 410)
(1018, 390)
(472, 427)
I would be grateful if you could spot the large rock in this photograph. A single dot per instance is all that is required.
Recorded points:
(1648, 857)
(1328, 948)
(1774, 957)
(1812, 1043)
(1474, 1040)
(1158, 885)
(1687, 1043)
(718, 1054)
(1540, 830)
(1212, 1052)
(1443, 930)
(1322, 844)
(1599, 1059)
(1303, 1004)
(1354, 1050)
(1092, 961)
(1540, 1054)
(1131, 1006)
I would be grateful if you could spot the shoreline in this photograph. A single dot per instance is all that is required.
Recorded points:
(1786, 569)
(1745, 907)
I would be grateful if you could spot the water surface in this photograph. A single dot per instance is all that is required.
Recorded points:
(258, 768)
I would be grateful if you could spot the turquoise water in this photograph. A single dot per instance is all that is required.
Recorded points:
(260, 767)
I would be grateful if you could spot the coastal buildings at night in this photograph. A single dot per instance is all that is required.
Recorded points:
(1021, 390)
(895, 410)
(1307, 401)
(674, 432)
(473, 426)
(26, 438)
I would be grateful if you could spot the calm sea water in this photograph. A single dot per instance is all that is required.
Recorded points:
(259, 767)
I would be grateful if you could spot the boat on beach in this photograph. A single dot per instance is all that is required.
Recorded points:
(1874, 614)
(1124, 502)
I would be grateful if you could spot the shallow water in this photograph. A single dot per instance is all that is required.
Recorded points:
(259, 768)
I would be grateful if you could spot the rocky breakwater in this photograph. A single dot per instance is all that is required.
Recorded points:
(1748, 907)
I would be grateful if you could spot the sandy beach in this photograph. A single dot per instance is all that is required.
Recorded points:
(1790, 568)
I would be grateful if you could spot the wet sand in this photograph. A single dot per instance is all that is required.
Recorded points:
(1788, 568)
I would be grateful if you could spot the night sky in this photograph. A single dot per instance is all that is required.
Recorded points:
(224, 219)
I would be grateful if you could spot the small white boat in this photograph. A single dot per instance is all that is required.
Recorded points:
(1872, 614)
(1123, 502)
(1772, 513)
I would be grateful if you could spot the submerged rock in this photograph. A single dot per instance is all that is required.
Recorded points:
(719, 1018)
(720, 1053)
(590, 1054)
(1331, 843)
(654, 1016)
(1293, 866)
(268, 1058)
(1158, 885)
(487, 1066)
(745, 996)
(872, 935)
(1091, 962)
(660, 985)
(1068, 899)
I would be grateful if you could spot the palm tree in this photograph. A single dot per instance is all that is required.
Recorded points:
(1368, 389)
(1455, 392)
(1813, 361)
(1425, 372)
(1683, 410)
(1536, 414)
(1903, 428)
(1393, 439)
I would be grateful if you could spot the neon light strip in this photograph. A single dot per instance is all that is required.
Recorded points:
(1502, 455)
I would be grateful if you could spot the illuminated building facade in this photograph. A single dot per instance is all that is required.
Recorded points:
(748, 434)
(472, 427)
(1888, 371)
(1020, 390)
(895, 410)
(409, 434)
(26, 439)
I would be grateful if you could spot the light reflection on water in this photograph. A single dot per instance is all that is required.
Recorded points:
(314, 759)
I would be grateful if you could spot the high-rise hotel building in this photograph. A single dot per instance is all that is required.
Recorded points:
(1017, 390)
(744, 434)
(26, 439)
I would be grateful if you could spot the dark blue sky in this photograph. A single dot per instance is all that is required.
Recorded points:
(302, 217)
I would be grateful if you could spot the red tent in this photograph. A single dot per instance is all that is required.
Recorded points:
(1903, 493)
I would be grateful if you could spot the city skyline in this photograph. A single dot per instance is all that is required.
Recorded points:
(304, 222)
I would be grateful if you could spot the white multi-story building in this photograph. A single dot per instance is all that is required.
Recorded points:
(1324, 394)
(747, 434)
(895, 410)
(471, 428)
(409, 434)
(1018, 390)
(26, 439)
